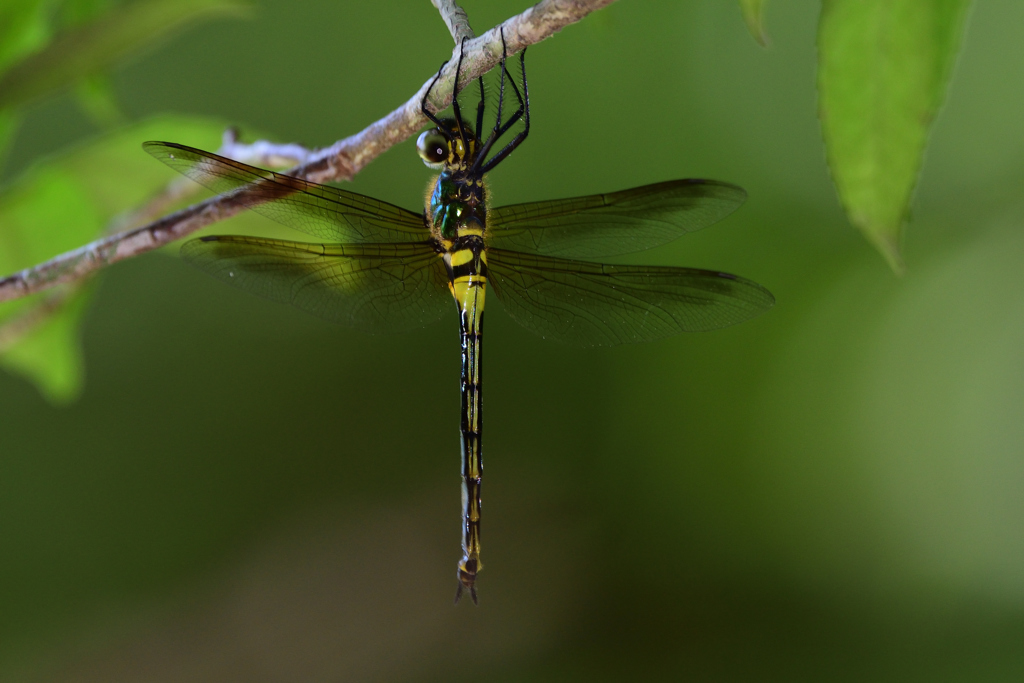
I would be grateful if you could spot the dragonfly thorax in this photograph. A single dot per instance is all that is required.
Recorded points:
(457, 206)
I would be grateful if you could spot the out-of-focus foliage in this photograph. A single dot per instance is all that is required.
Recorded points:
(883, 66)
(753, 14)
(91, 47)
(23, 28)
(61, 205)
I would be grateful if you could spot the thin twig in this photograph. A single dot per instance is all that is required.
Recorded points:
(455, 19)
(16, 328)
(264, 153)
(260, 153)
(175, 192)
(340, 161)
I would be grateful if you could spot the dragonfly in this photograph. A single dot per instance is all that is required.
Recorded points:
(382, 268)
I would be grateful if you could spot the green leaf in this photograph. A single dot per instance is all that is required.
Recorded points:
(93, 47)
(78, 12)
(33, 216)
(49, 353)
(24, 27)
(753, 14)
(63, 204)
(96, 96)
(9, 121)
(883, 66)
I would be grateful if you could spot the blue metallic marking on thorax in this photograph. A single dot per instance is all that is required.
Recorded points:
(457, 202)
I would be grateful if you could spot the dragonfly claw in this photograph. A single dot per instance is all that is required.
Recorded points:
(467, 581)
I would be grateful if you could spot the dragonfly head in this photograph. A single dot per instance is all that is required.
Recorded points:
(450, 145)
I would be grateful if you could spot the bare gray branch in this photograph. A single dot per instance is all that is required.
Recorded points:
(263, 153)
(455, 19)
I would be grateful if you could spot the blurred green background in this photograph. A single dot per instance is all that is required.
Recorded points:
(829, 492)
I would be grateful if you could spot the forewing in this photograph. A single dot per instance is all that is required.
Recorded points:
(591, 304)
(611, 224)
(373, 287)
(319, 210)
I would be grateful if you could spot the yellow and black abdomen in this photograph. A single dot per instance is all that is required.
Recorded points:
(456, 212)
(467, 270)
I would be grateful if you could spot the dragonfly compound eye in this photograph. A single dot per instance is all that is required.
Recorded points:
(432, 147)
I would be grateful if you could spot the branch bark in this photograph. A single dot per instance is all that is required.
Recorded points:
(340, 161)
(455, 19)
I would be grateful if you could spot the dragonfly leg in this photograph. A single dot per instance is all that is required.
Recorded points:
(423, 105)
(518, 113)
(480, 110)
(524, 111)
(486, 148)
(502, 128)
(455, 97)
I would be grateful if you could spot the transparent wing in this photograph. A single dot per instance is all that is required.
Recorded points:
(591, 304)
(611, 224)
(325, 212)
(374, 287)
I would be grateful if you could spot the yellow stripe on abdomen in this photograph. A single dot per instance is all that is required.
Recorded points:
(469, 292)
